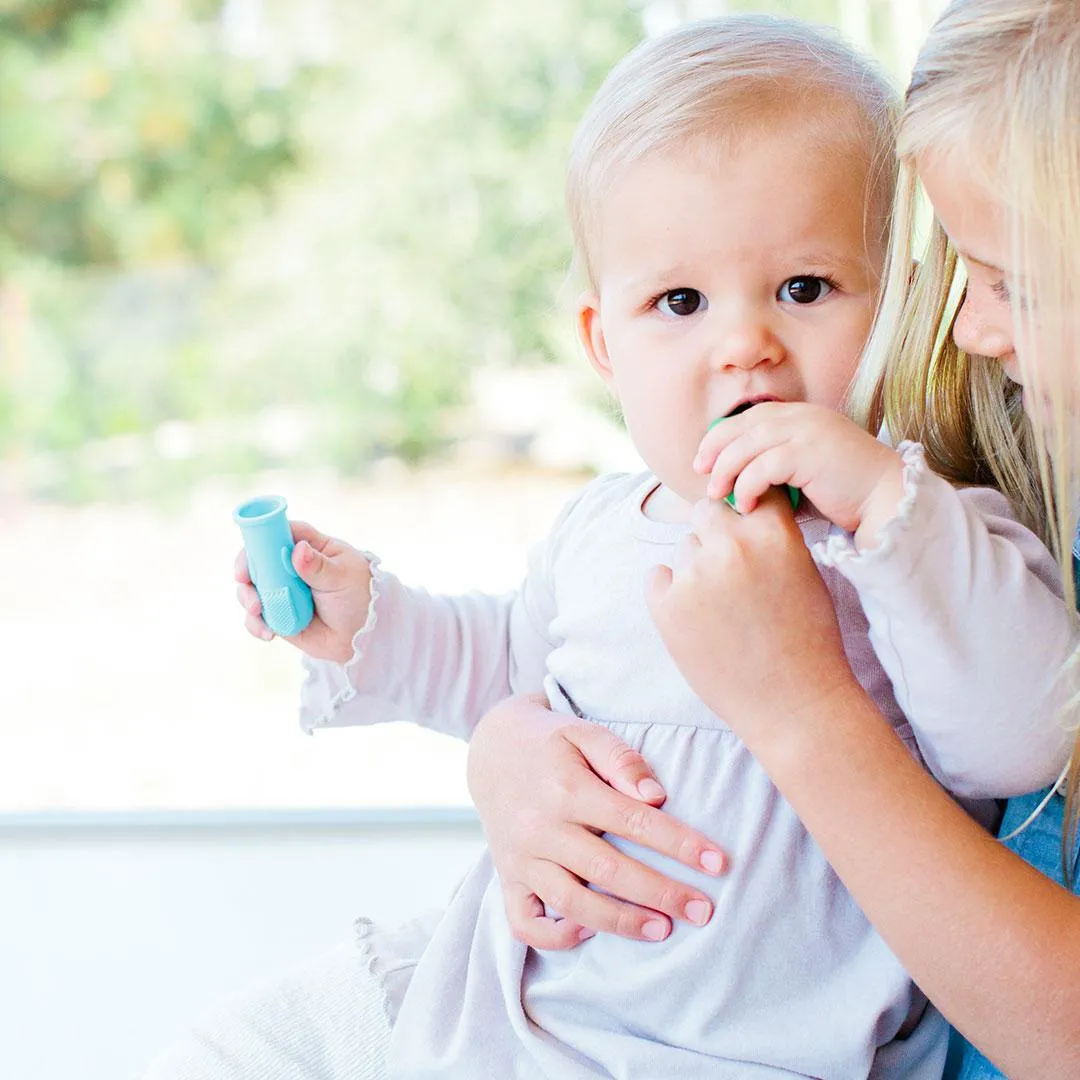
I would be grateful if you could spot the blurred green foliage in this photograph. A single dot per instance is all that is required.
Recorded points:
(236, 233)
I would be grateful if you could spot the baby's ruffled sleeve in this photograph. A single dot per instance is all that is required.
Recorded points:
(439, 661)
(967, 617)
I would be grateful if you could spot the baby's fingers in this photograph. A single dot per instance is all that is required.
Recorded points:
(771, 469)
(257, 628)
(240, 567)
(249, 600)
(301, 530)
(715, 441)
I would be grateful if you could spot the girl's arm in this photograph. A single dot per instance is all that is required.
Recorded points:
(964, 604)
(994, 944)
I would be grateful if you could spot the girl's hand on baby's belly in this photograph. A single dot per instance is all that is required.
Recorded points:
(545, 787)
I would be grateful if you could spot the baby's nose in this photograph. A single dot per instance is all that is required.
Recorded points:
(745, 346)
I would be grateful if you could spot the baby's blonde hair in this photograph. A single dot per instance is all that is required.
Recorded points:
(716, 81)
(996, 92)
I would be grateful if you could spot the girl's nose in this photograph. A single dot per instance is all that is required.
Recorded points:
(976, 334)
(745, 346)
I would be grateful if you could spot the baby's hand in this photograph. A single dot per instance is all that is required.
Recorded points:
(852, 478)
(340, 581)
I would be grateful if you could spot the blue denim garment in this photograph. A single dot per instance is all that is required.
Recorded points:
(1040, 845)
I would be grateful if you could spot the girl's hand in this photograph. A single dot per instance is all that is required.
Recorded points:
(748, 619)
(545, 788)
(852, 478)
(340, 580)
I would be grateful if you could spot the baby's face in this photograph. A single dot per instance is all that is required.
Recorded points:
(726, 279)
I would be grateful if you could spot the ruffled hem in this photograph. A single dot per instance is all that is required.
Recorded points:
(348, 691)
(363, 929)
(840, 547)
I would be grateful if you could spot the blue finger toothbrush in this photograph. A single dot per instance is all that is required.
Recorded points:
(287, 606)
(729, 498)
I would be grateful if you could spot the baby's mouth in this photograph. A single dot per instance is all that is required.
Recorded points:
(744, 405)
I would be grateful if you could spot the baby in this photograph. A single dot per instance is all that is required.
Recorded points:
(729, 192)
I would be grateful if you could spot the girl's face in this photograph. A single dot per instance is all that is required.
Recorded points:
(976, 226)
(1032, 353)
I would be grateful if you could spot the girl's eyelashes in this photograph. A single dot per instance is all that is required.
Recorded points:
(806, 289)
(1001, 290)
(679, 303)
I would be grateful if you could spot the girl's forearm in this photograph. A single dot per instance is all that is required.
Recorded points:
(992, 942)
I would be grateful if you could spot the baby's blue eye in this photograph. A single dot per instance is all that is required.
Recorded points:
(681, 302)
(804, 290)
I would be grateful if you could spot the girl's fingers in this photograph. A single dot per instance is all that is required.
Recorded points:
(710, 520)
(616, 763)
(596, 862)
(529, 924)
(564, 894)
(601, 809)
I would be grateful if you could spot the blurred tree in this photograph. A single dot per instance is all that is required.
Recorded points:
(428, 238)
(129, 138)
(179, 266)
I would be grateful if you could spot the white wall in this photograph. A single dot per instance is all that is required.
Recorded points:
(113, 934)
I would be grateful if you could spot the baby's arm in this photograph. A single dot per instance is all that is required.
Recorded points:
(967, 617)
(441, 661)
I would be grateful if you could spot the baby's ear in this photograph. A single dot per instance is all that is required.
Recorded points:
(591, 333)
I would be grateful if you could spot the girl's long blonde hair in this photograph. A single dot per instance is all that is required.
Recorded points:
(996, 92)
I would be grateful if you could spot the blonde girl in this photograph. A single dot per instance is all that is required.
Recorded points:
(982, 366)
